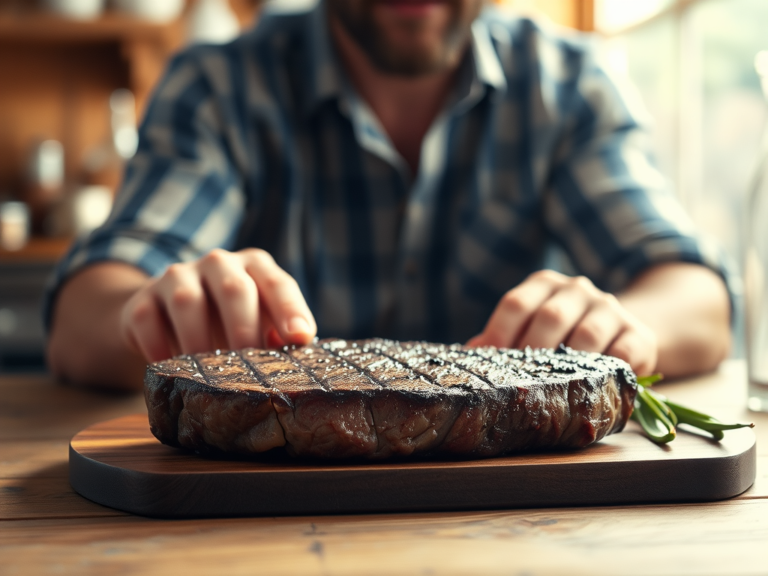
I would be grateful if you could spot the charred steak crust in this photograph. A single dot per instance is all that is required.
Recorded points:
(380, 398)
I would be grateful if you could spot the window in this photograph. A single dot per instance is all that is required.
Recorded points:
(693, 63)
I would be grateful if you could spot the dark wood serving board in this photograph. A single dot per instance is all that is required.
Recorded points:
(120, 464)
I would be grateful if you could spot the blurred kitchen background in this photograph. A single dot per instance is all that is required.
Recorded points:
(75, 76)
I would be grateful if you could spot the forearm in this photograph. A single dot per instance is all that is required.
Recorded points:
(687, 307)
(85, 346)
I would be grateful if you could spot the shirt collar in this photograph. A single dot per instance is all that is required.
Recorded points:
(327, 79)
(325, 74)
(488, 68)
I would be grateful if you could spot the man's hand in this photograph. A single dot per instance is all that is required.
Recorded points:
(549, 308)
(223, 300)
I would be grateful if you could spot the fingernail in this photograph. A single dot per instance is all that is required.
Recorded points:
(297, 325)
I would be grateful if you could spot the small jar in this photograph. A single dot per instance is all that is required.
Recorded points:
(76, 9)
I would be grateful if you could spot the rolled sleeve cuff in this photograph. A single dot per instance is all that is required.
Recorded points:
(694, 250)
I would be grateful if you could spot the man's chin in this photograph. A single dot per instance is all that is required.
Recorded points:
(413, 45)
(424, 12)
(407, 37)
(414, 62)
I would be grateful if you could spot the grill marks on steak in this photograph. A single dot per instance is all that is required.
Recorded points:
(417, 405)
(380, 398)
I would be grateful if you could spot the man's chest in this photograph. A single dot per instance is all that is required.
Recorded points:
(339, 187)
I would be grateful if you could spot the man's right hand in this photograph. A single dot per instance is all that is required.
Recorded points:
(223, 300)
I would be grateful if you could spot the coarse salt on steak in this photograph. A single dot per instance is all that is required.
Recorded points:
(380, 398)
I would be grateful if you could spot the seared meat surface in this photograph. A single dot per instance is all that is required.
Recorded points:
(380, 398)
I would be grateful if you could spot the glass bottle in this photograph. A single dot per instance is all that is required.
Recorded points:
(104, 163)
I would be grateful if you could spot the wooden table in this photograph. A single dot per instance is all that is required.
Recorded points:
(45, 527)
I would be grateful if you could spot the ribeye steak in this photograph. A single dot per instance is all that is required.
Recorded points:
(380, 398)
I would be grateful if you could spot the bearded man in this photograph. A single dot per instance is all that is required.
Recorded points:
(391, 168)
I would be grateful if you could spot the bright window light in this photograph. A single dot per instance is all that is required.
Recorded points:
(613, 15)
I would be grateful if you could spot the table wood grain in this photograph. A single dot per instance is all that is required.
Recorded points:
(46, 528)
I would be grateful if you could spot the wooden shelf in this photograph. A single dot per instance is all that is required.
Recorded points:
(63, 73)
(37, 26)
(144, 46)
(38, 250)
(34, 25)
(60, 74)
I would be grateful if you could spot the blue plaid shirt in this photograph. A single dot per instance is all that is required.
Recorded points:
(263, 142)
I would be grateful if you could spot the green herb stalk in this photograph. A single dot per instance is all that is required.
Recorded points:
(659, 416)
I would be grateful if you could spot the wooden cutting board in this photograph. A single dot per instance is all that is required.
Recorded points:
(120, 464)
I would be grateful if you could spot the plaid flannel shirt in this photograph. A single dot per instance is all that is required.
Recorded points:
(264, 142)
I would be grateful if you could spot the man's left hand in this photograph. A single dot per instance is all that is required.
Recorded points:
(549, 308)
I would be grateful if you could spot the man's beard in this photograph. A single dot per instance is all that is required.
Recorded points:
(357, 19)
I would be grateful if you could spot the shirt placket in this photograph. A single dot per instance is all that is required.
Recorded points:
(417, 228)
(419, 221)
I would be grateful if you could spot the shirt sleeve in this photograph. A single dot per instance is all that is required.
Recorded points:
(606, 202)
(181, 195)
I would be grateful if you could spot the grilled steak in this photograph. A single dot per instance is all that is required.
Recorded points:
(380, 398)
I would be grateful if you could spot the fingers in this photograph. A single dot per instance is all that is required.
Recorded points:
(516, 309)
(638, 347)
(234, 295)
(281, 298)
(549, 308)
(185, 303)
(223, 300)
(273, 339)
(599, 326)
(144, 328)
(556, 318)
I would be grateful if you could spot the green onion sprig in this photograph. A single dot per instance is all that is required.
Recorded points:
(659, 416)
